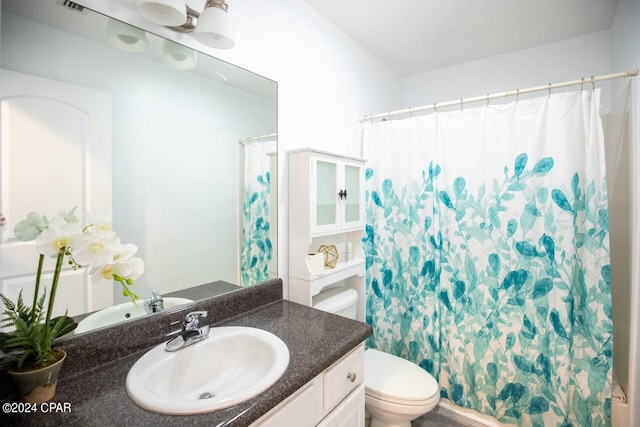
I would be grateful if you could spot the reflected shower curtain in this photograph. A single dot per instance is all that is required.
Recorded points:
(256, 250)
(487, 256)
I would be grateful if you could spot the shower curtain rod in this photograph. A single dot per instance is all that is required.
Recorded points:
(258, 138)
(461, 101)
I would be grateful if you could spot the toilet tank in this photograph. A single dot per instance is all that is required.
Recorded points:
(340, 301)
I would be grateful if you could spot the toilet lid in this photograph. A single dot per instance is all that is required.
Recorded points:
(392, 377)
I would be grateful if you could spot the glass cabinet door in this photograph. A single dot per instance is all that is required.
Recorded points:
(352, 187)
(326, 197)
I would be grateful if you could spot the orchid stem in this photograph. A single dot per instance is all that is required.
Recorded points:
(54, 284)
(37, 290)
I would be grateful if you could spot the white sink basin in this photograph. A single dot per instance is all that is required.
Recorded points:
(121, 312)
(231, 366)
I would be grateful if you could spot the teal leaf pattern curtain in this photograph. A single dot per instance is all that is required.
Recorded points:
(256, 251)
(487, 255)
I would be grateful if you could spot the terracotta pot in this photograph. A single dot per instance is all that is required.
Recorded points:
(38, 386)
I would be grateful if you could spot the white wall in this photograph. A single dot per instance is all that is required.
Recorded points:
(552, 63)
(326, 80)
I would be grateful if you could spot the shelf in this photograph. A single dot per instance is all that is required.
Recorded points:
(336, 232)
(332, 275)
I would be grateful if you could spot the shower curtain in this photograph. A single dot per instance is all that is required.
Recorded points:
(487, 256)
(256, 250)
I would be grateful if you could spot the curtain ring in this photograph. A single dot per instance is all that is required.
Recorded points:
(487, 100)
(435, 107)
(582, 84)
(461, 104)
(549, 90)
(410, 112)
(593, 83)
(517, 95)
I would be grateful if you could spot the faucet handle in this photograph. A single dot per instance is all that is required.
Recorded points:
(192, 319)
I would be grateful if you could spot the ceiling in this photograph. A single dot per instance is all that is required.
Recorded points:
(414, 36)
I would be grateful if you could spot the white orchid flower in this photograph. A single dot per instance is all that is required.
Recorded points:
(95, 248)
(130, 269)
(123, 265)
(59, 235)
(69, 216)
(101, 222)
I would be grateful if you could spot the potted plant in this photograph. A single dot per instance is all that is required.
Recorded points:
(31, 341)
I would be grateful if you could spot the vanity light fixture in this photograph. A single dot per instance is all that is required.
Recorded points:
(178, 57)
(212, 27)
(125, 37)
(169, 13)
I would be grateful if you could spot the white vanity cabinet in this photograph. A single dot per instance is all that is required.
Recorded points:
(334, 398)
(326, 207)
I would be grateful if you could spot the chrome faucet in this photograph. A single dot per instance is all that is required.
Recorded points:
(191, 332)
(155, 303)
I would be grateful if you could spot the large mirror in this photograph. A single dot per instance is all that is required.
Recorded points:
(181, 147)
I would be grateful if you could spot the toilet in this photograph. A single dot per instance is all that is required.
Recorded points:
(396, 390)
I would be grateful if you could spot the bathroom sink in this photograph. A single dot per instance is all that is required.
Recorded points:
(231, 366)
(121, 312)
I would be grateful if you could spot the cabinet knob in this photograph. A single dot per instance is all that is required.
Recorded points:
(351, 376)
(341, 194)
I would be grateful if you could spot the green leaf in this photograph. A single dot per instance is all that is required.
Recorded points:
(376, 199)
(493, 217)
(511, 340)
(512, 390)
(444, 297)
(457, 392)
(542, 288)
(515, 278)
(459, 289)
(538, 405)
(62, 325)
(529, 330)
(543, 166)
(575, 185)
(526, 249)
(532, 209)
(516, 186)
(523, 364)
(459, 187)
(444, 198)
(492, 371)
(561, 200)
(554, 317)
(520, 164)
(494, 264)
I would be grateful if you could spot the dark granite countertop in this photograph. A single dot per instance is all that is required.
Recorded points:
(97, 395)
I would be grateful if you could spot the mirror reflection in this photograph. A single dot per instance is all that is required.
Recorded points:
(180, 147)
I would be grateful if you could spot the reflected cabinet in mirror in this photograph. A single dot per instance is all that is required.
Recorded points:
(180, 148)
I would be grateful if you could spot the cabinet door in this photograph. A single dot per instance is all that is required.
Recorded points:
(297, 410)
(350, 413)
(352, 205)
(324, 195)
